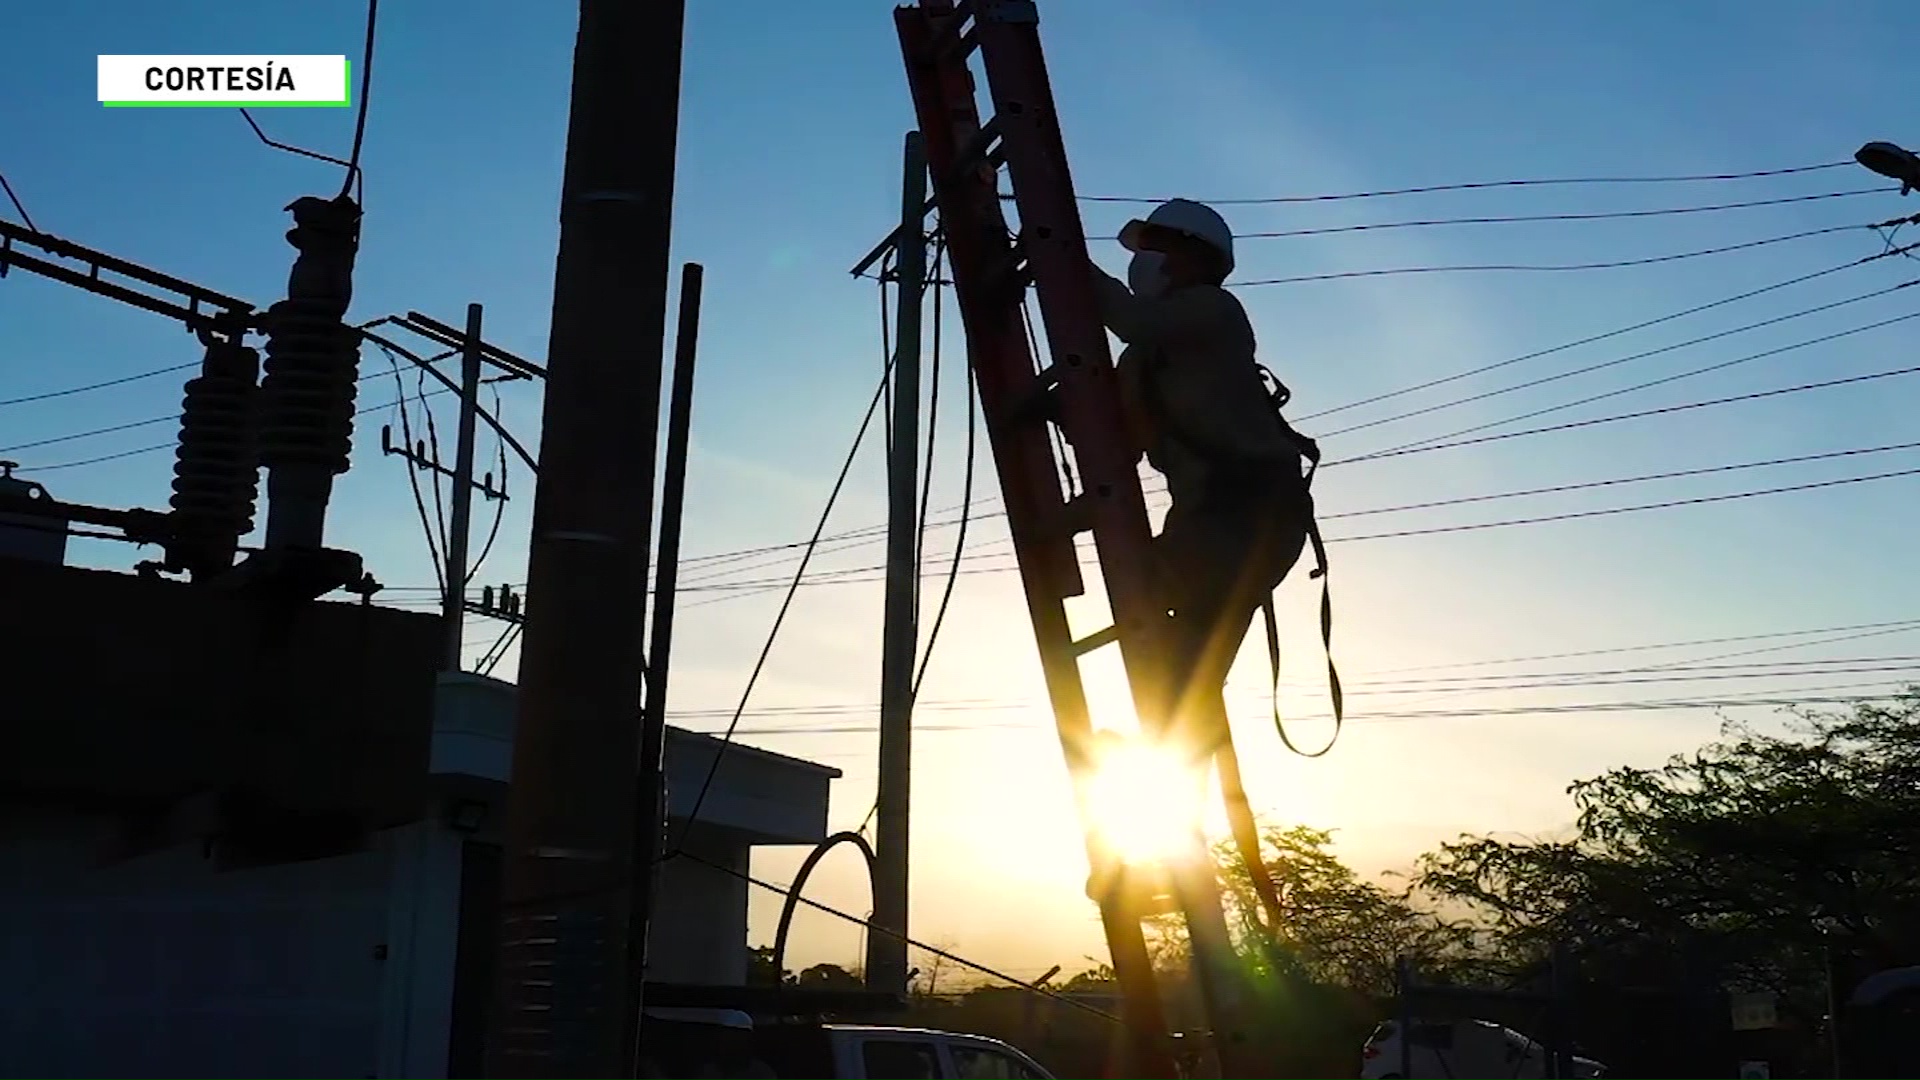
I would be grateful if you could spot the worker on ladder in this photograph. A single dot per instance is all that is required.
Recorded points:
(1198, 407)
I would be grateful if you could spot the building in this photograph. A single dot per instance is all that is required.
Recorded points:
(337, 917)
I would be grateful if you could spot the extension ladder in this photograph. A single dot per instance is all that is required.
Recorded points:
(1076, 393)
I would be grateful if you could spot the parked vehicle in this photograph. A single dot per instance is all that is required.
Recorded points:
(726, 1044)
(1438, 1049)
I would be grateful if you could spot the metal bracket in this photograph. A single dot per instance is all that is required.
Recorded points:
(419, 458)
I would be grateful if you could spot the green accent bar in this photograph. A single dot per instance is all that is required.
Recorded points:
(346, 99)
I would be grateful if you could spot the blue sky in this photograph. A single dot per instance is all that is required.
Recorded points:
(792, 119)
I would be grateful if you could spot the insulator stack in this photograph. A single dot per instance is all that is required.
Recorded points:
(312, 372)
(216, 468)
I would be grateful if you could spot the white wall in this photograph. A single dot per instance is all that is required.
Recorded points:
(699, 932)
(162, 967)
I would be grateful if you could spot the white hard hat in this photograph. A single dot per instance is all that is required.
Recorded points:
(1188, 218)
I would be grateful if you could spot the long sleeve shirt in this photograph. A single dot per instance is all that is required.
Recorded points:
(1205, 379)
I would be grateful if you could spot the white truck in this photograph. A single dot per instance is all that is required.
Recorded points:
(726, 1044)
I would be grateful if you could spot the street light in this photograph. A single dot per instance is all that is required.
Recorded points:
(1891, 161)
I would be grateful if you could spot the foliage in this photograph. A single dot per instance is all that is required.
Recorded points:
(1742, 863)
(1335, 928)
(828, 977)
(760, 970)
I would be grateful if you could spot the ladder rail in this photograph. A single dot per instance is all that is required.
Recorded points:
(1037, 515)
(1055, 244)
(1079, 393)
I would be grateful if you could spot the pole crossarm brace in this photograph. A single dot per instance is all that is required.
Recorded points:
(891, 243)
(199, 308)
(435, 330)
(425, 364)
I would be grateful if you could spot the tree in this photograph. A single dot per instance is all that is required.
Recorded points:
(1749, 858)
(1335, 928)
(1098, 977)
(760, 970)
(828, 977)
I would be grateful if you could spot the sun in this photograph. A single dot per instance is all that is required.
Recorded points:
(1144, 802)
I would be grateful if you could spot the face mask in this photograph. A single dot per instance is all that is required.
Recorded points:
(1147, 274)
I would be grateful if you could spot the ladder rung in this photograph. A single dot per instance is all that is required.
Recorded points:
(1095, 640)
(981, 149)
(1039, 404)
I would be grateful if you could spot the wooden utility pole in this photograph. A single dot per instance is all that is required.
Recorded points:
(563, 1001)
(453, 601)
(900, 636)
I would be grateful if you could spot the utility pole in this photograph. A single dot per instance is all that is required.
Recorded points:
(453, 602)
(563, 1001)
(651, 826)
(900, 637)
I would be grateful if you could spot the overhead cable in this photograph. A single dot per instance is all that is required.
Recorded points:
(1482, 185)
(1616, 362)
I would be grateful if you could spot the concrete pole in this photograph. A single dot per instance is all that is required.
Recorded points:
(453, 600)
(900, 636)
(563, 997)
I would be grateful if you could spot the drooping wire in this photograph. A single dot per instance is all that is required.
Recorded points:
(413, 476)
(786, 604)
(499, 504)
(1481, 186)
(933, 429)
(301, 151)
(886, 354)
(966, 485)
(366, 85)
(433, 451)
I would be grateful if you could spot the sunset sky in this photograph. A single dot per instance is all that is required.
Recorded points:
(789, 171)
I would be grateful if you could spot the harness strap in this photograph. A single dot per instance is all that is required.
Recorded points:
(1279, 395)
(1334, 693)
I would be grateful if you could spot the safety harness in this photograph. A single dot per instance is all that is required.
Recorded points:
(1278, 395)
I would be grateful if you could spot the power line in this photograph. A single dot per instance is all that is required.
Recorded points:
(1596, 338)
(1669, 504)
(1809, 696)
(1483, 185)
(49, 395)
(18, 206)
(868, 925)
(1664, 410)
(1884, 626)
(1548, 268)
(1638, 478)
(1616, 362)
(1600, 215)
(863, 574)
(170, 418)
(1545, 680)
(156, 447)
(713, 560)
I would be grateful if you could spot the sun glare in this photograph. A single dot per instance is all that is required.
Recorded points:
(1145, 805)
